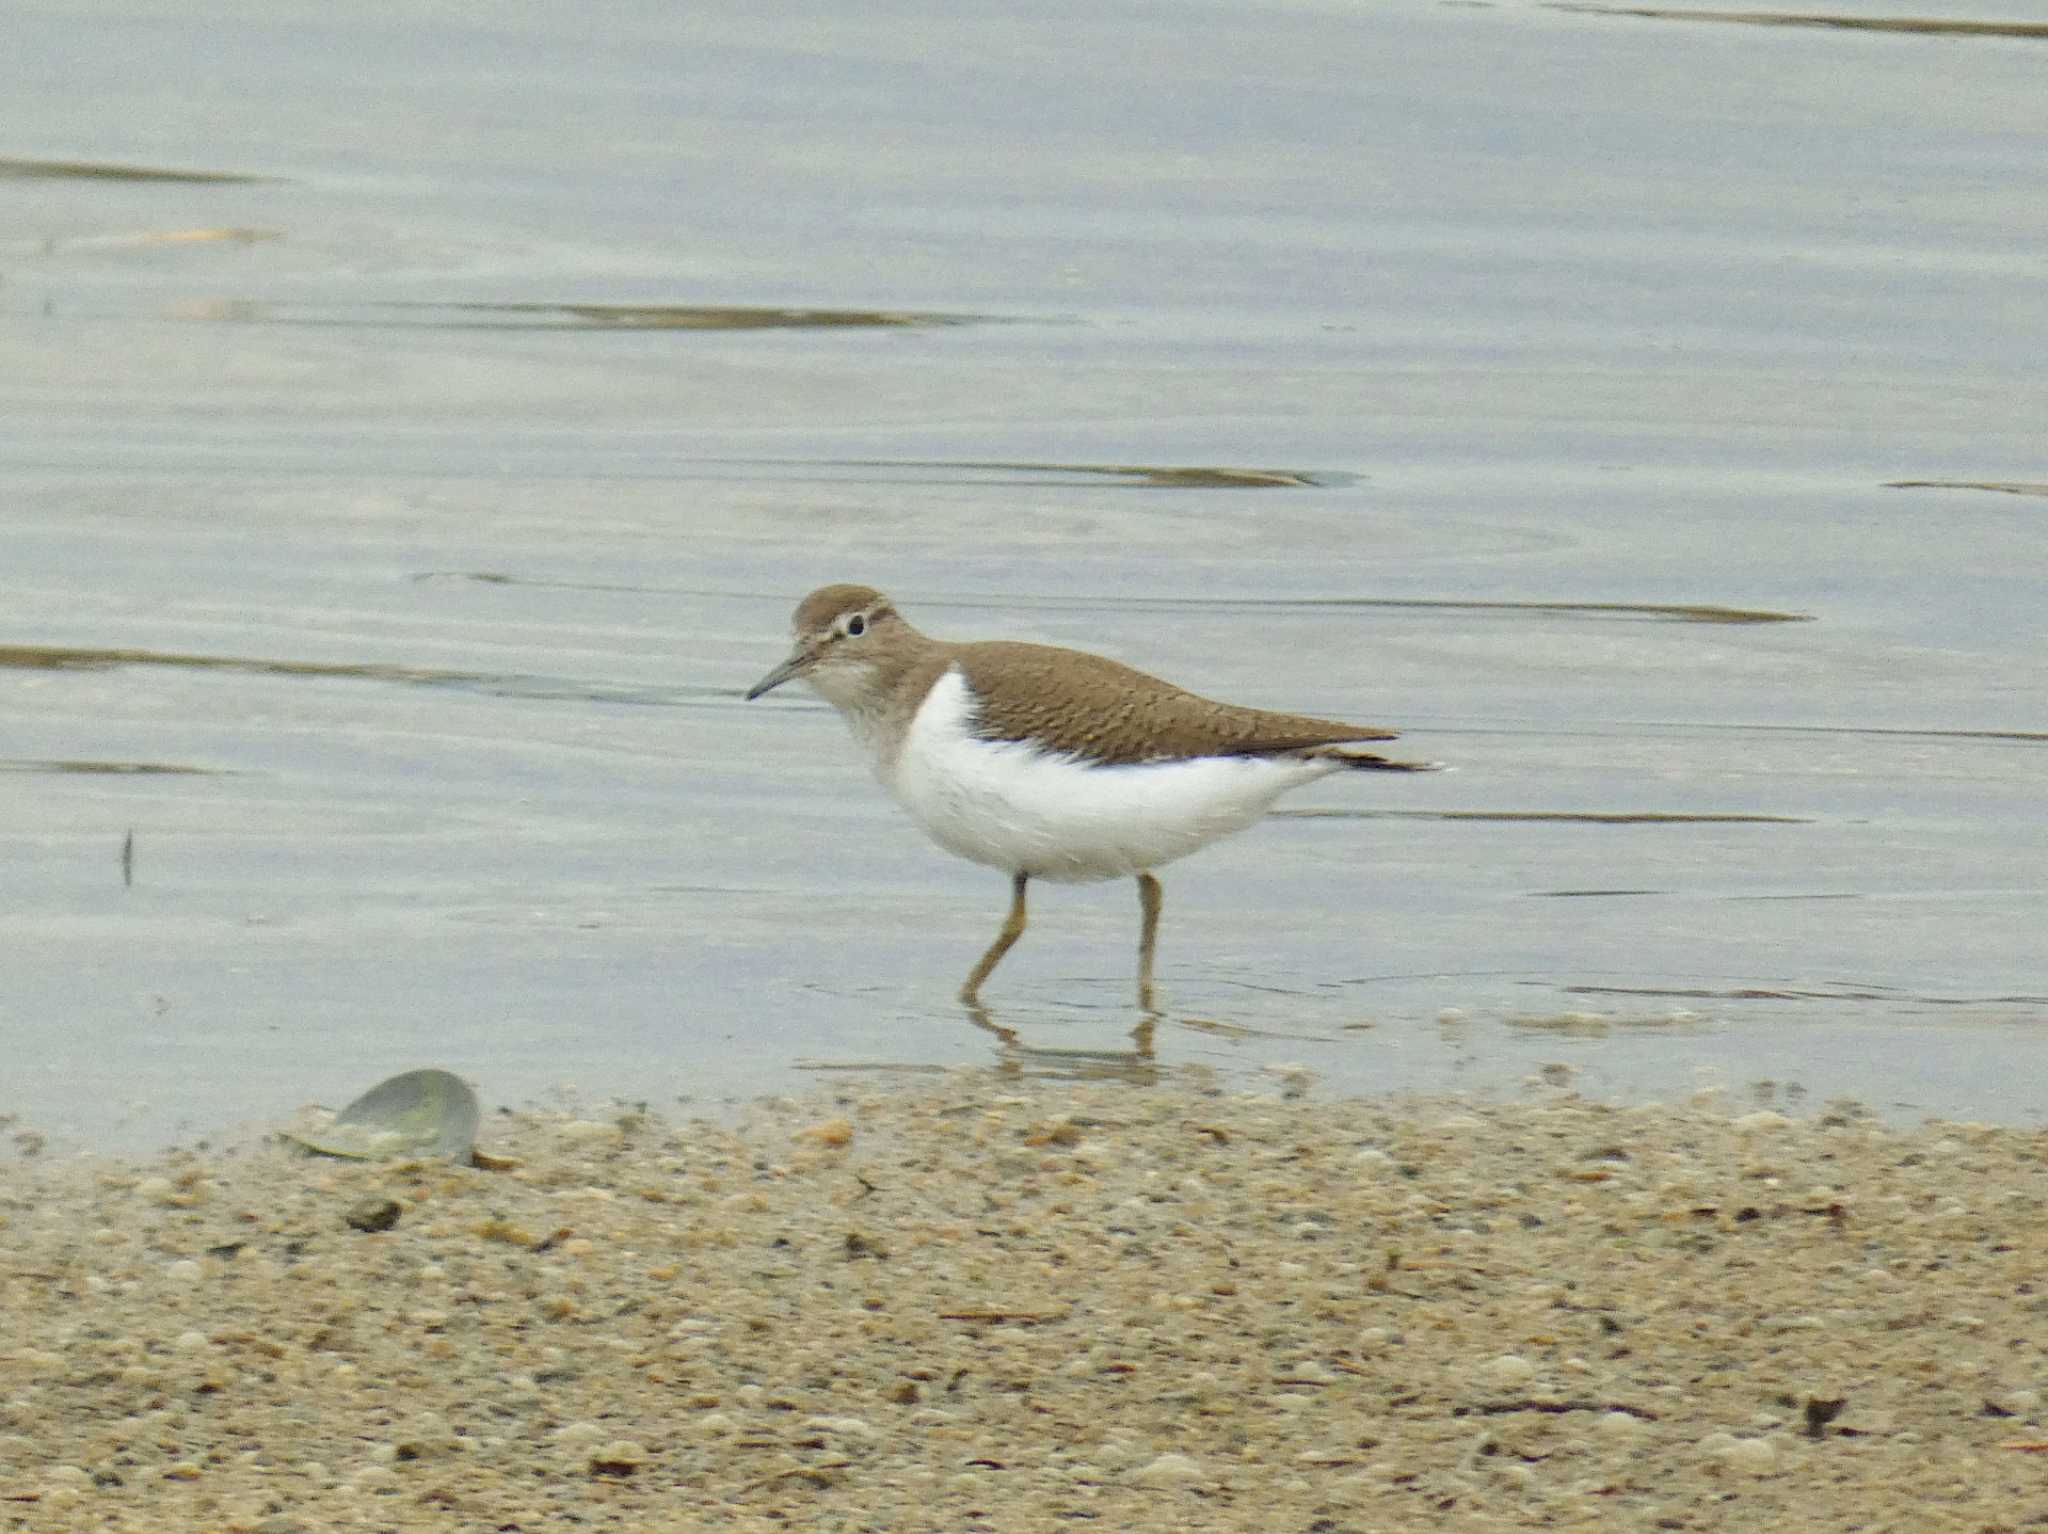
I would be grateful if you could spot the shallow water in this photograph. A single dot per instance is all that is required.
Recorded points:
(418, 436)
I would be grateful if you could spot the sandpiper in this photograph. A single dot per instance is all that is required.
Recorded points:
(1050, 763)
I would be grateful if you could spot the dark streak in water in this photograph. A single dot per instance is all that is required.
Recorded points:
(89, 170)
(1773, 993)
(56, 658)
(1679, 612)
(1685, 612)
(503, 578)
(110, 769)
(1682, 612)
(1937, 26)
(532, 688)
(2004, 486)
(1151, 476)
(1575, 817)
(573, 316)
(1591, 894)
(1093, 476)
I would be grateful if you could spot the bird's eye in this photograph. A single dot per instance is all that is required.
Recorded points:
(856, 626)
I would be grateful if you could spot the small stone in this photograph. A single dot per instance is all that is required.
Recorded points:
(1820, 1411)
(185, 1271)
(1509, 1370)
(373, 1214)
(1753, 1455)
(1168, 1469)
(619, 1457)
(846, 1427)
(832, 1132)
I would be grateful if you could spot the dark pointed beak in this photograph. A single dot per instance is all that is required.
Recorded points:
(792, 667)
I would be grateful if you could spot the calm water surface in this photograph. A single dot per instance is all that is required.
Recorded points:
(416, 435)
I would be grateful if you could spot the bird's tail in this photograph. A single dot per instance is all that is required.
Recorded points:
(1366, 761)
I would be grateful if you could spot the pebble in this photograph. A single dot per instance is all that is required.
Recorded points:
(1509, 1370)
(1168, 1469)
(373, 1214)
(832, 1132)
(1754, 1456)
(850, 1427)
(618, 1456)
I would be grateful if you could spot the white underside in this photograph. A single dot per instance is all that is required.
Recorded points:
(1024, 810)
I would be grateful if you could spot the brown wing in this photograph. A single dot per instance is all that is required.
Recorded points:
(1103, 711)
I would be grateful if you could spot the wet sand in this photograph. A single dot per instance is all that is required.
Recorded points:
(977, 1303)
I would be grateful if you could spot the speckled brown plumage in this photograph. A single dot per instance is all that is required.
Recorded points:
(1101, 710)
(1070, 701)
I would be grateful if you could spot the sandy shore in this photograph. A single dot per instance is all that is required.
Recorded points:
(970, 1303)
